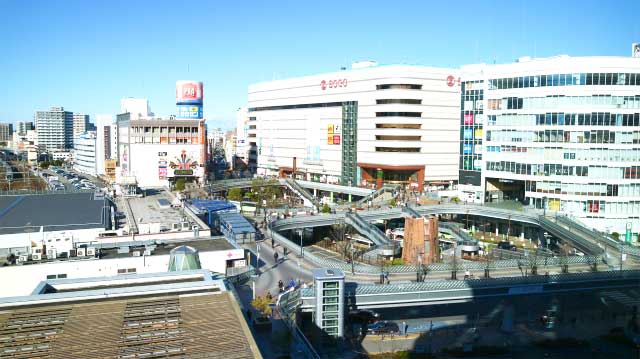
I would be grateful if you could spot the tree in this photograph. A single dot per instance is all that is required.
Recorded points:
(265, 189)
(339, 233)
(615, 235)
(235, 194)
(45, 164)
(393, 202)
(261, 305)
(326, 208)
(180, 183)
(455, 199)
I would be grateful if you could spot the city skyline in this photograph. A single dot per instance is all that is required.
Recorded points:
(97, 54)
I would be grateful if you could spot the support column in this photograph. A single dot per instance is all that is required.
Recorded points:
(331, 196)
(315, 192)
(421, 179)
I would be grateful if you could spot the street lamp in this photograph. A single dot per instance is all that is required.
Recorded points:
(300, 232)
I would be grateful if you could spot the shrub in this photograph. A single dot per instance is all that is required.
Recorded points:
(235, 194)
(326, 208)
(180, 184)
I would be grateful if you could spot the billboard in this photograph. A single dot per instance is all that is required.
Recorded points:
(189, 92)
(189, 111)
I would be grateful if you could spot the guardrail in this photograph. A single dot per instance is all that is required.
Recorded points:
(377, 193)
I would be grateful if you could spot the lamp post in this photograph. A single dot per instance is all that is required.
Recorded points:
(352, 265)
(300, 232)
(419, 269)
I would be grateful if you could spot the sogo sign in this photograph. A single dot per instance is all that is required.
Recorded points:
(333, 84)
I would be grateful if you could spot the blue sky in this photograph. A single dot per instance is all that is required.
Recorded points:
(87, 55)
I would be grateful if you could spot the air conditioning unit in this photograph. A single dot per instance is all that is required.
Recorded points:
(186, 225)
(36, 256)
(147, 252)
(175, 226)
(52, 253)
(136, 253)
(23, 258)
(81, 252)
(91, 251)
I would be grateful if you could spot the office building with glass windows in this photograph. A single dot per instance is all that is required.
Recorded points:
(560, 133)
(365, 126)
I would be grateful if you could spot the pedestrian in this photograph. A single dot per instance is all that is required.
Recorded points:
(272, 243)
(249, 314)
(275, 257)
(281, 286)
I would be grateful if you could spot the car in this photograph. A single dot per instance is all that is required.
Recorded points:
(383, 327)
(364, 316)
(507, 246)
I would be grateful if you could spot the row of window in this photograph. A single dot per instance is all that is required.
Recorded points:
(561, 136)
(584, 189)
(588, 207)
(399, 87)
(147, 130)
(565, 119)
(551, 169)
(397, 149)
(537, 154)
(399, 101)
(398, 138)
(574, 79)
(604, 102)
(398, 114)
(415, 126)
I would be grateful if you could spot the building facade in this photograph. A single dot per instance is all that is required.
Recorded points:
(6, 132)
(85, 154)
(54, 128)
(80, 124)
(560, 133)
(158, 151)
(106, 141)
(368, 126)
(23, 126)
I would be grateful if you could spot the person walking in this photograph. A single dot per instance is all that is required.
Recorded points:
(275, 257)
(249, 314)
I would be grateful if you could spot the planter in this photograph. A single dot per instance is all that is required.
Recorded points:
(262, 323)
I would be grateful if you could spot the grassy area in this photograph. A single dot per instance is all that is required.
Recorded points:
(399, 355)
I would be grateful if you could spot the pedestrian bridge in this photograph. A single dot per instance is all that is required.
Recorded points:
(371, 296)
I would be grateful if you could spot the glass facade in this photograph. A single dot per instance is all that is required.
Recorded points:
(574, 151)
(349, 143)
(471, 123)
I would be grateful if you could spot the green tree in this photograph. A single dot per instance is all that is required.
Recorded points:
(235, 194)
(393, 202)
(455, 199)
(180, 184)
(45, 164)
(326, 208)
(615, 235)
(266, 189)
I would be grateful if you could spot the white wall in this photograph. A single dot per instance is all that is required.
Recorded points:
(144, 161)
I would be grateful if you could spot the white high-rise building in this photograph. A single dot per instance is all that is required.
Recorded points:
(242, 139)
(54, 128)
(85, 154)
(559, 133)
(23, 126)
(368, 126)
(137, 107)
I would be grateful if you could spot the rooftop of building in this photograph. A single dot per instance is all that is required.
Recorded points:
(185, 314)
(201, 245)
(157, 209)
(52, 212)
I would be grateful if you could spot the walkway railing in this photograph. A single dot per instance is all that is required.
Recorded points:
(378, 193)
(366, 229)
(302, 192)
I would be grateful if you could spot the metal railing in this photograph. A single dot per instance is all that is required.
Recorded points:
(366, 229)
(385, 189)
(302, 192)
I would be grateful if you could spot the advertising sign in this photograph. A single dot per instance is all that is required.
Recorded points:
(189, 111)
(627, 237)
(189, 92)
(333, 134)
(466, 149)
(468, 119)
(467, 134)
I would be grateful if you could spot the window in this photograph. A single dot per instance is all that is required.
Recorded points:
(399, 86)
(398, 138)
(397, 149)
(398, 114)
(399, 101)
(399, 125)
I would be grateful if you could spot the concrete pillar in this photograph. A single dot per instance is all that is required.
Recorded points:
(315, 192)
(331, 196)
(349, 197)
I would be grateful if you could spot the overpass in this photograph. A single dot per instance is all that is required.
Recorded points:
(223, 185)
(371, 296)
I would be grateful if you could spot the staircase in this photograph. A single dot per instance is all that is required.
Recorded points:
(308, 199)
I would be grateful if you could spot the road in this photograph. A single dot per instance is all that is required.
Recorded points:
(288, 268)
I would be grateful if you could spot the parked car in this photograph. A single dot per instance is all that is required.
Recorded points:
(507, 246)
(383, 327)
(364, 316)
